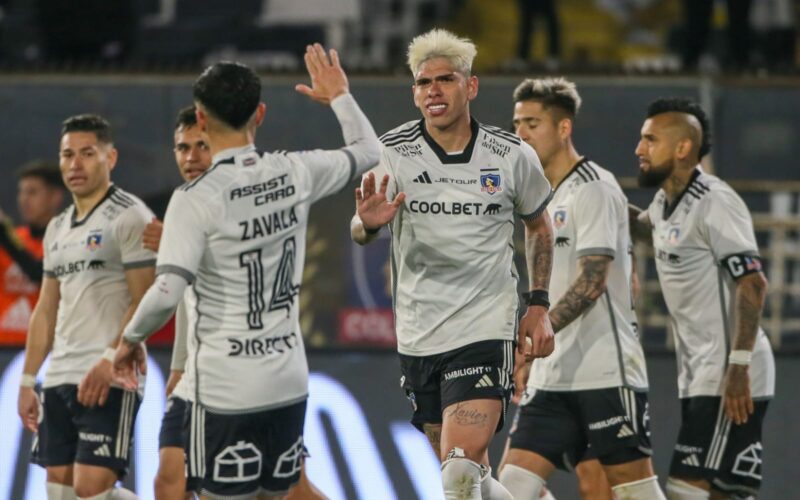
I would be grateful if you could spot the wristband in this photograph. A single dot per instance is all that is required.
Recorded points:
(537, 298)
(742, 357)
(27, 380)
(109, 354)
(371, 231)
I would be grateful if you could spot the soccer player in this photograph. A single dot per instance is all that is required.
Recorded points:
(237, 235)
(40, 193)
(95, 272)
(193, 158)
(710, 274)
(455, 185)
(589, 398)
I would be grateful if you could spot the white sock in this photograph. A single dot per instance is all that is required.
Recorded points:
(461, 479)
(57, 491)
(491, 489)
(643, 489)
(547, 496)
(521, 483)
(681, 490)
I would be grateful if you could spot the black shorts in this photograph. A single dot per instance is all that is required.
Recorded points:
(565, 427)
(172, 424)
(713, 448)
(246, 454)
(482, 370)
(72, 433)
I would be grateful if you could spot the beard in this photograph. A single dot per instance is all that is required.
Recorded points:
(655, 175)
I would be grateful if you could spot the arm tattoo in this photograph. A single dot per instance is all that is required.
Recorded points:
(751, 291)
(539, 252)
(583, 292)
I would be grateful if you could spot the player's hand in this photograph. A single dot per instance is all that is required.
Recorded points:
(151, 236)
(535, 325)
(129, 361)
(328, 79)
(522, 369)
(172, 381)
(372, 207)
(737, 400)
(28, 408)
(93, 389)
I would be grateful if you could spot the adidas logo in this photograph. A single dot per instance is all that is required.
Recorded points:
(691, 460)
(485, 381)
(424, 178)
(624, 431)
(103, 451)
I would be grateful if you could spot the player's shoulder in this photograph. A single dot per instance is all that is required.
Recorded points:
(498, 133)
(125, 206)
(60, 219)
(588, 174)
(209, 180)
(405, 133)
(711, 190)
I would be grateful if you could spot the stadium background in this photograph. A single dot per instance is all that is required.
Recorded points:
(133, 62)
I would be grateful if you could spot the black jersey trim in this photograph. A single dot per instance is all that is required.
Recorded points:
(171, 269)
(49, 274)
(724, 311)
(121, 200)
(138, 264)
(402, 140)
(540, 210)
(191, 184)
(77, 223)
(605, 251)
(573, 170)
(589, 171)
(447, 159)
(669, 208)
(501, 134)
(413, 128)
(617, 340)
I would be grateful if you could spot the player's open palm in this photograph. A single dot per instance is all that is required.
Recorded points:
(93, 389)
(28, 408)
(372, 207)
(328, 79)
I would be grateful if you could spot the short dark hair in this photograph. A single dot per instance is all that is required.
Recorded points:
(557, 93)
(688, 106)
(96, 124)
(229, 91)
(46, 171)
(186, 118)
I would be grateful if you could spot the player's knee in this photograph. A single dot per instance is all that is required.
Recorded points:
(461, 479)
(521, 483)
(57, 491)
(681, 490)
(642, 489)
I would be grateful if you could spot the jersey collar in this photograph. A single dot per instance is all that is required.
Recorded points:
(669, 209)
(75, 222)
(227, 155)
(463, 157)
(582, 160)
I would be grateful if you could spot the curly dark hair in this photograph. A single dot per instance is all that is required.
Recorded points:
(688, 106)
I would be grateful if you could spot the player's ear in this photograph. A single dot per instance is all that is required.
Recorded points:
(261, 110)
(113, 154)
(202, 118)
(683, 148)
(565, 128)
(472, 87)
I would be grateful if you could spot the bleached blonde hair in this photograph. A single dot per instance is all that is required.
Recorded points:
(551, 92)
(439, 43)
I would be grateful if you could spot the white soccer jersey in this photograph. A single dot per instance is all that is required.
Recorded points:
(453, 274)
(184, 389)
(600, 348)
(89, 257)
(705, 226)
(237, 234)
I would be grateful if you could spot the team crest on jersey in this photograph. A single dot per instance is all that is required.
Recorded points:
(94, 241)
(490, 183)
(673, 235)
(560, 219)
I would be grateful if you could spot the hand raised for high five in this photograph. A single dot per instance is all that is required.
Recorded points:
(328, 80)
(372, 207)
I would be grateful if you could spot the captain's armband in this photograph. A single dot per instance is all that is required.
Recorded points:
(740, 265)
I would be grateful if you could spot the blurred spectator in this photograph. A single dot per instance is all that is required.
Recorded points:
(39, 197)
(773, 23)
(697, 21)
(88, 30)
(528, 11)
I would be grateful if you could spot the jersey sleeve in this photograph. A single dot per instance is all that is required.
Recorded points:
(532, 190)
(47, 242)
(129, 227)
(728, 230)
(183, 239)
(596, 219)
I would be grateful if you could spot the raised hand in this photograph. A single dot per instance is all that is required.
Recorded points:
(328, 79)
(372, 207)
